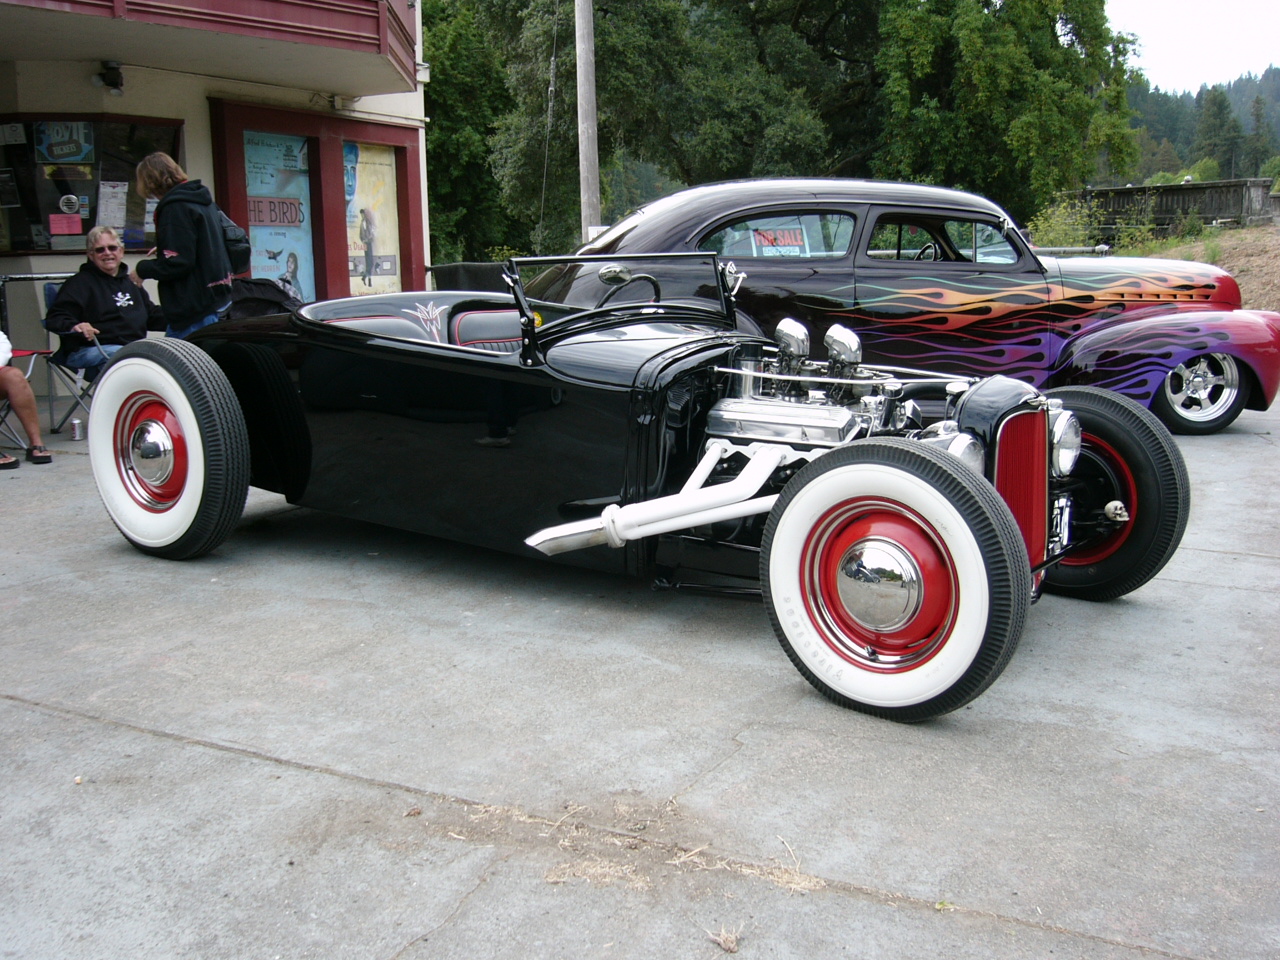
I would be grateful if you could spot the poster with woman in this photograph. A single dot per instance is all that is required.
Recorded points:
(278, 184)
(373, 222)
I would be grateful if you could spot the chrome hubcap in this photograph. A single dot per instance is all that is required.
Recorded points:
(1205, 387)
(151, 452)
(879, 584)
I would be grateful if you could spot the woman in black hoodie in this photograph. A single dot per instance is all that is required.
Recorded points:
(191, 264)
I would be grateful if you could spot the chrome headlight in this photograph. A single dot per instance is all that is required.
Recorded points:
(1065, 436)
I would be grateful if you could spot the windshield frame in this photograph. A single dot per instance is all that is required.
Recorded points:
(540, 331)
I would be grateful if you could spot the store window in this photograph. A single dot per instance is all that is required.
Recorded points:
(61, 176)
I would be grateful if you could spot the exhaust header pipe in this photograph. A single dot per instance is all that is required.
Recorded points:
(692, 506)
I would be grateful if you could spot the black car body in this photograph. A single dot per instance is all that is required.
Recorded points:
(610, 414)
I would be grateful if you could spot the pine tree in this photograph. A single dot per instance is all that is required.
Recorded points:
(1219, 135)
(1260, 145)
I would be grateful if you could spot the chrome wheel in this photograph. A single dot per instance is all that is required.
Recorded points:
(1202, 395)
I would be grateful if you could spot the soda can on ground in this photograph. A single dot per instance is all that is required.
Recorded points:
(77, 429)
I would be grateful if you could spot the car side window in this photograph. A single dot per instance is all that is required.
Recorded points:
(811, 235)
(918, 237)
(980, 242)
(900, 238)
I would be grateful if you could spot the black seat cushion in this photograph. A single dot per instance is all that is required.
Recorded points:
(496, 330)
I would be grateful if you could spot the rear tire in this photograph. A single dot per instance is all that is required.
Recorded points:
(1127, 455)
(897, 580)
(168, 447)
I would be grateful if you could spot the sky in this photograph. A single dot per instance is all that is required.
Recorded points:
(1186, 43)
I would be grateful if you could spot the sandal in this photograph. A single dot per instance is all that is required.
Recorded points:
(9, 463)
(39, 454)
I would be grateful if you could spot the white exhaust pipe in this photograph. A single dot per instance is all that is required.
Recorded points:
(692, 506)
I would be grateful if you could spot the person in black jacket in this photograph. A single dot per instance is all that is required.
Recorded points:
(103, 303)
(191, 266)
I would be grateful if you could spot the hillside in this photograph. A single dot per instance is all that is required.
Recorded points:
(1252, 256)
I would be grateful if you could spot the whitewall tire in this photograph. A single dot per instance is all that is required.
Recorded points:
(896, 579)
(169, 449)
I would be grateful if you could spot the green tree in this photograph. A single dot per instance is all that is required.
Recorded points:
(1260, 144)
(678, 86)
(1219, 135)
(826, 51)
(464, 101)
(1167, 116)
(534, 145)
(1014, 100)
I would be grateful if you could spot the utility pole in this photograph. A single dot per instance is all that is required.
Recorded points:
(588, 152)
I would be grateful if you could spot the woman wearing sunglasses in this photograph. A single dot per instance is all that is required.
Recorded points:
(100, 309)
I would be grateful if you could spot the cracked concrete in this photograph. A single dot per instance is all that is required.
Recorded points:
(334, 740)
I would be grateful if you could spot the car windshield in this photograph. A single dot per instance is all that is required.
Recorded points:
(559, 288)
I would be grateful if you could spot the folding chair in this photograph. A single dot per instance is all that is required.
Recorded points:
(72, 378)
(6, 428)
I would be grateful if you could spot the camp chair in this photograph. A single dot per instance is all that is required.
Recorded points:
(72, 378)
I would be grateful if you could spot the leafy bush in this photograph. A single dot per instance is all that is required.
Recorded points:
(1067, 223)
(1205, 169)
(1271, 168)
(1139, 227)
(503, 254)
(1188, 225)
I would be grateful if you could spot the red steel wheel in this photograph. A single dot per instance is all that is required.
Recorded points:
(1102, 465)
(150, 451)
(1129, 457)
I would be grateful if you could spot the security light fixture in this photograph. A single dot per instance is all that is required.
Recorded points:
(111, 77)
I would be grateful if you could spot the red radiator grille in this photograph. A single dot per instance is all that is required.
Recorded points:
(1022, 477)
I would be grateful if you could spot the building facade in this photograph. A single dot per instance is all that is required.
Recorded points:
(305, 119)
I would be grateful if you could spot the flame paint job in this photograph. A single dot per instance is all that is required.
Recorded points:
(1119, 323)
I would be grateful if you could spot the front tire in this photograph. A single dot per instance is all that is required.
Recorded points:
(1202, 395)
(897, 580)
(1128, 456)
(169, 449)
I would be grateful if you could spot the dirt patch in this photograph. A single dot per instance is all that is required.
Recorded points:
(1250, 255)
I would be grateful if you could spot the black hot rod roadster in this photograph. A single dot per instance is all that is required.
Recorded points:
(608, 413)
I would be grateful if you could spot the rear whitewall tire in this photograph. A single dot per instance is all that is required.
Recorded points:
(177, 387)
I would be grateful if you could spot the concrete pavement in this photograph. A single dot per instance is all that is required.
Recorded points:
(333, 740)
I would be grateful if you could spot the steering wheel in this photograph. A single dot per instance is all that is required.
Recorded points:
(613, 291)
(928, 252)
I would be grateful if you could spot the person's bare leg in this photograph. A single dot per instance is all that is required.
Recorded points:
(23, 400)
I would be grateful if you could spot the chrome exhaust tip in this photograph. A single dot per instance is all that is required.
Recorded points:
(569, 536)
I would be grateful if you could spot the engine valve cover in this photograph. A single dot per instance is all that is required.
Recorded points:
(780, 421)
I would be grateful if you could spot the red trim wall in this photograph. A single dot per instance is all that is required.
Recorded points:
(328, 199)
(381, 26)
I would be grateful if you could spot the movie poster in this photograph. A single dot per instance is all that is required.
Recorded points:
(278, 184)
(373, 222)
